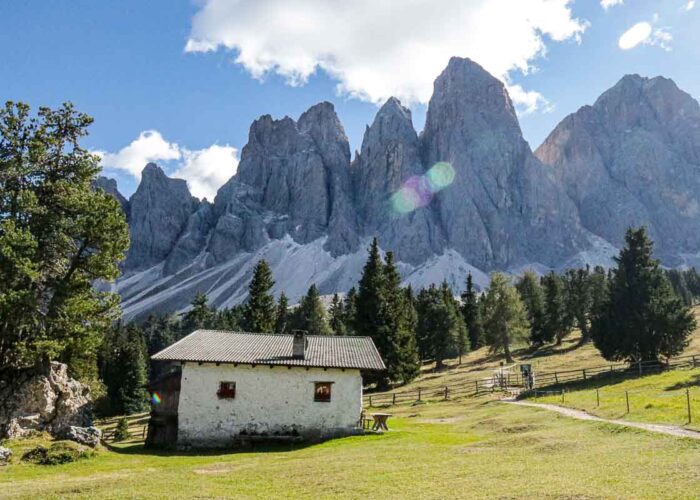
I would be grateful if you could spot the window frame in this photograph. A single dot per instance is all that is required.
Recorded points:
(225, 390)
(323, 399)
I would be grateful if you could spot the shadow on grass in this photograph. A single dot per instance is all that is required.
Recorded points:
(694, 381)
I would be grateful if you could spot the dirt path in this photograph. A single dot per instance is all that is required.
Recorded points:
(671, 430)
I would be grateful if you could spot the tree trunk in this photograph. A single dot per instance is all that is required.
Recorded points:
(506, 350)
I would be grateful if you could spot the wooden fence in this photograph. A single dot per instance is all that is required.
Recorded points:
(512, 382)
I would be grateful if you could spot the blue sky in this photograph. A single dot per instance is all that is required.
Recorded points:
(129, 64)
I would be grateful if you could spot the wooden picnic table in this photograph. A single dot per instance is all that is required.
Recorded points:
(380, 421)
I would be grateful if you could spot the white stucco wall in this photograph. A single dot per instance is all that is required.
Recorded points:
(268, 400)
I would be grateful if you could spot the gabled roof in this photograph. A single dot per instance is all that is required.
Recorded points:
(322, 351)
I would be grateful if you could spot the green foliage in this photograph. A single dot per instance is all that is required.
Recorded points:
(336, 316)
(440, 330)
(121, 431)
(199, 316)
(58, 453)
(311, 314)
(556, 319)
(686, 284)
(124, 370)
(57, 237)
(383, 313)
(643, 318)
(505, 317)
(282, 320)
(532, 296)
(471, 312)
(579, 300)
(260, 313)
(350, 311)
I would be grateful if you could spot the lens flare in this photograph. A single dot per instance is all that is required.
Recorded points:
(418, 191)
(155, 398)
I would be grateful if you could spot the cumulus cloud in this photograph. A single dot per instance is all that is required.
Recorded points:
(380, 49)
(645, 33)
(205, 170)
(606, 4)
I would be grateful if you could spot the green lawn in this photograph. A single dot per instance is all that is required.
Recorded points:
(476, 448)
(655, 398)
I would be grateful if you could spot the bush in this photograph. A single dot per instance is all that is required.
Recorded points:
(62, 452)
(121, 433)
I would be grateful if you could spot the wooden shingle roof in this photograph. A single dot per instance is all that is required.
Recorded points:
(323, 351)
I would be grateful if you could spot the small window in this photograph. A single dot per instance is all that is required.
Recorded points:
(322, 392)
(227, 390)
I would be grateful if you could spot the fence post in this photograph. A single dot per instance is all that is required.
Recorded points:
(687, 398)
(597, 397)
(556, 379)
(419, 394)
(393, 399)
(370, 401)
(640, 366)
(445, 392)
(611, 371)
(693, 361)
(476, 387)
(584, 374)
(627, 401)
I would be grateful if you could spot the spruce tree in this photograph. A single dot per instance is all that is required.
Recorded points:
(350, 311)
(124, 369)
(579, 300)
(533, 297)
(199, 316)
(598, 281)
(458, 330)
(311, 314)
(260, 313)
(471, 313)
(556, 321)
(643, 318)
(336, 316)
(282, 320)
(505, 317)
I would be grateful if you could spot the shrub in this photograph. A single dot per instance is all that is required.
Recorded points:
(121, 433)
(62, 452)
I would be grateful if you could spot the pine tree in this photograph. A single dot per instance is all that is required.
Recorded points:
(579, 300)
(505, 317)
(397, 316)
(311, 314)
(471, 313)
(124, 370)
(282, 321)
(643, 319)
(598, 281)
(556, 322)
(533, 297)
(350, 311)
(458, 330)
(199, 316)
(336, 315)
(260, 313)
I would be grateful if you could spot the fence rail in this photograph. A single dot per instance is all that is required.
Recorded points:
(506, 381)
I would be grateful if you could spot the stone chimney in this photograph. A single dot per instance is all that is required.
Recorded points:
(299, 344)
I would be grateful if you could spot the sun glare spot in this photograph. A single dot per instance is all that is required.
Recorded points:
(418, 191)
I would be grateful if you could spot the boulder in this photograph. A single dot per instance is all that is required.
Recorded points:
(43, 399)
(5, 454)
(89, 436)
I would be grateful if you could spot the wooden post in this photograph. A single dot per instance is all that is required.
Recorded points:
(687, 398)
(445, 392)
(693, 361)
(597, 397)
(627, 401)
(556, 379)
(640, 367)
(476, 387)
(584, 374)
(370, 401)
(419, 394)
(393, 399)
(611, 371)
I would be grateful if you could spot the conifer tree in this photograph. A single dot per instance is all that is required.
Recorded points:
(199, 316)
(311, 314)
(533, 297)
(598, 281)
(282, 321)
(471, 313)
(457, 327)
(556, 322)
(124, 369)
(260, 313)
(336, 316)
(350, 311)
(579, 300)
(643, 319)
(505, 317)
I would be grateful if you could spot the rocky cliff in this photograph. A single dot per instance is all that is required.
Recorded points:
(466, 195)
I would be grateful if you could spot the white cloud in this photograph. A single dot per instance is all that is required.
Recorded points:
(606, 4)
(690, 5)
(205, 170)
(149, 146)
(644, 32)
(380, 49)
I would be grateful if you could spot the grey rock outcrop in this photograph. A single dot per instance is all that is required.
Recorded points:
(158, 213)
(109, 186)
(89, 436)
(504, 207)
(5, 455)
(47, 400)
(631, 159)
